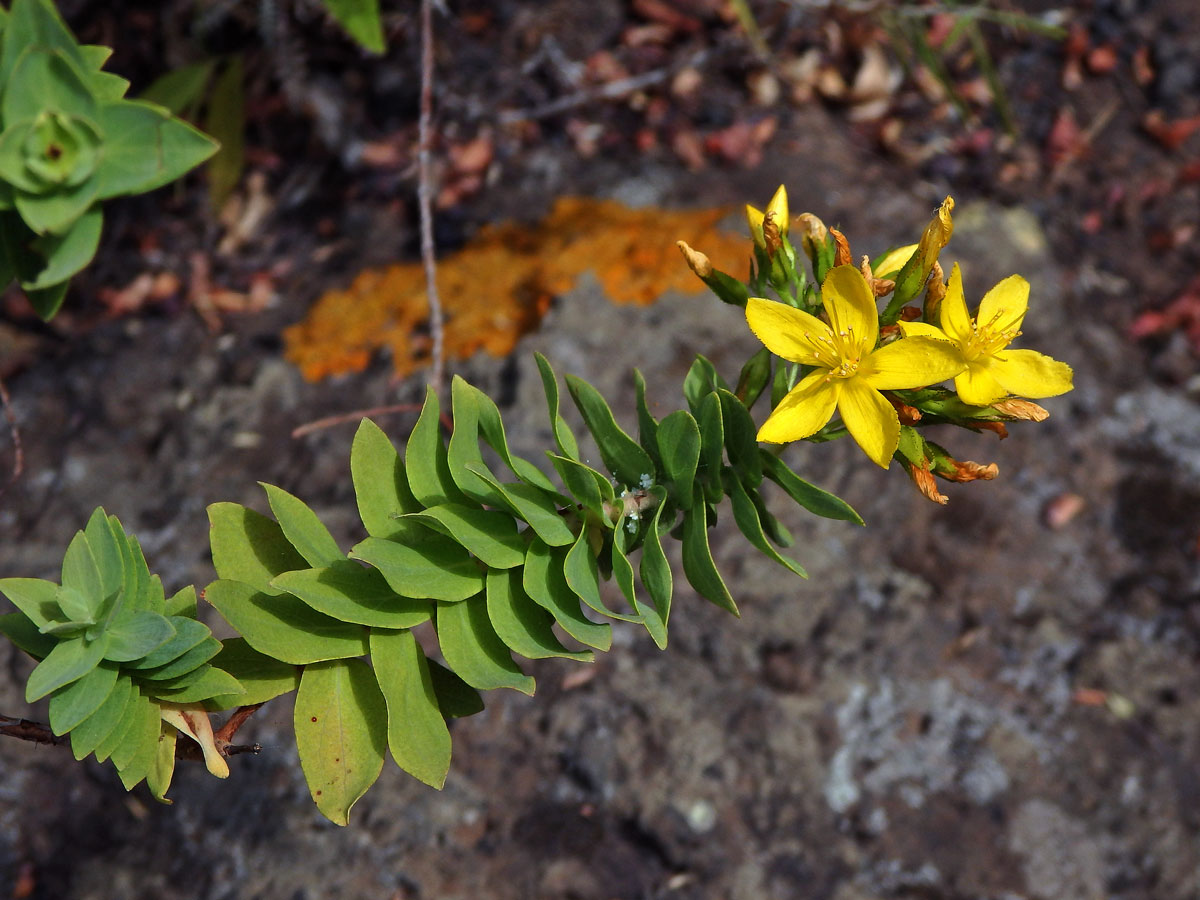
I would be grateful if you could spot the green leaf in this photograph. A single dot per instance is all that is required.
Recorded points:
(46, 302)
(622, 569)
(564, 438)
(145, 148)
(491, 535)
(35, 597)
(57, 210)
(462, 454)
(647, 425)
(351, 592)
(416, 731)
(656, 577)
(534, 506)
(262, 677)
(135, 757)
(36, 23)
(520, 623)
(679, 449)
(183, 664)
(284, 627)
(754, 378)
(425, 457)
(701, 380)
(741, 442)
(622, 455)
(116, 736)
(712, 443)
(106, 553)
(435, 569)
(583, 576)
(46, 80)
(68, 661)
(380, 483)
(772, 527)
(208, 683)
(815, 500)
(456, 698)
(341, 733)
(491, 428)
(148, 591)
(474, 651)
(249, 547)
(81, 581)
(545, 583)
(182, 604)
(88, 734)
(745, 514)
(158, 779)
(22, 631)
(132, 637)
(70, 705)
(188, 634)
(698, 563)
(302, 528)
(181, 88)
(361, 20)
(585, 484)
(63, 255)
(226, 121)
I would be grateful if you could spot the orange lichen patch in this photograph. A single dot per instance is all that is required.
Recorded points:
(499, 286)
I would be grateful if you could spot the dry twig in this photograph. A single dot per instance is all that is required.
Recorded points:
(18, 449)
(425, 195)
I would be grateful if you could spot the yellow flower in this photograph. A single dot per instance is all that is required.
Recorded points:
(850, 371)
(777, 209)
(992, 370)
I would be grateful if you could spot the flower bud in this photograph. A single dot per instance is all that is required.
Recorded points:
(813, 234)
(697, 261)
(1021, 410)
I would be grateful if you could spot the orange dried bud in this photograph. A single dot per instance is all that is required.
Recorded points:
(697, 261)
(925, 483)
(772, 234)
(1022, 410)
(999, 428)
(909, 415)
(965, 470)
(935, 290)
(842, 256)
(883, 286)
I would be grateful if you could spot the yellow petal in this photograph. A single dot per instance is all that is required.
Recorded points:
(754, 218)
(894, 261)
(870, 420)
(922, 329)
(779, 207)
(1027, 373)
(911, 362)
(1003, 307)
(977, 387)
(804, 411)
(850, 304)
(956, 321)
(785, 331)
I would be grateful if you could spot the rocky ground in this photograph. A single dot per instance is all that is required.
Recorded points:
(990, 699)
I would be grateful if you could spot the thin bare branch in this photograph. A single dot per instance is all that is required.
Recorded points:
(354, 416)
(425, 197)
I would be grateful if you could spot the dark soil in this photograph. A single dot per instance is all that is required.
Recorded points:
(992, 699)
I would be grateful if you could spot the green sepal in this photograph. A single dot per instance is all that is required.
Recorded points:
(754, 378)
